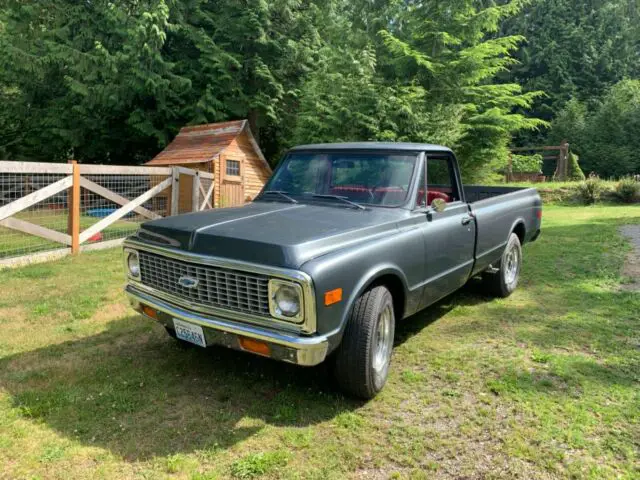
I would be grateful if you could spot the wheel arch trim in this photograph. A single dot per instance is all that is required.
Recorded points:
(370, 278)
(518, 224)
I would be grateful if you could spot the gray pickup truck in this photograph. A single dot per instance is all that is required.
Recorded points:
(344, 241)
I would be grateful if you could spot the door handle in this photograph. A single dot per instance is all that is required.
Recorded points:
(466, 220)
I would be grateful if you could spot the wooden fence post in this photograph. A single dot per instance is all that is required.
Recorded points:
(195, 196)
(175, 190)
(562, 166)
(74, 212)
(565, 153)
(69, 202)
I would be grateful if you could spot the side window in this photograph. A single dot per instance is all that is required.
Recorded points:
(441, 180)
(233, 168)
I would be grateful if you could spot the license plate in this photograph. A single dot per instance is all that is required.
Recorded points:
(189, 332)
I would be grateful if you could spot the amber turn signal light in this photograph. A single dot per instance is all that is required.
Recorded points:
(149, 312)
(255, 346)
(332, 296)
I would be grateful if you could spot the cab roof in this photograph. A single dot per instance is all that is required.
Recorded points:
(382, 146)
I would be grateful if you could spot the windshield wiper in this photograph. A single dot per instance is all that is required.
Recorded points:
(282, 193)
(338, 197)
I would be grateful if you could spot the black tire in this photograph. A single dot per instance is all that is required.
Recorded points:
(505, 280)
(355, 360)
(181, 343)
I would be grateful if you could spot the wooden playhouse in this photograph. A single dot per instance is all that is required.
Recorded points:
(229, 151)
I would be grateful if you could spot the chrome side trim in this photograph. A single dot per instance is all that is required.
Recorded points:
(308, 350)
(308, 326)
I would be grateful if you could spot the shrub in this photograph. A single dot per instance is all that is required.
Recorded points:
(575, 172)
(591, 189)
(527, 163)
(628, 190)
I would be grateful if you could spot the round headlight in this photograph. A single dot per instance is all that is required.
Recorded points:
(287, 301)
(134, 264)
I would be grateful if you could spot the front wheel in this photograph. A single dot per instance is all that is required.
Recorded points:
(503, 282)
(362, 360)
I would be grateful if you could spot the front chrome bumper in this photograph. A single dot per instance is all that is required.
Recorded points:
(286, 347)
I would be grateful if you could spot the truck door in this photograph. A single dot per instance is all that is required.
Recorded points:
(449, 235)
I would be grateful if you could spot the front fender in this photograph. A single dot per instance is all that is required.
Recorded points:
(355, 269)
(370, 277)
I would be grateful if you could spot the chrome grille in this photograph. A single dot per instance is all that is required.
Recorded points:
(217, 287)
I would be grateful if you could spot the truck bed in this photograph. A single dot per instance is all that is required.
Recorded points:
(498, 211)
(475, 193)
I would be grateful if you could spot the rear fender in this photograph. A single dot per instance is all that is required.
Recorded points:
(519, 223)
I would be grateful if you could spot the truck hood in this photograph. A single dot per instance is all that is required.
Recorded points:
(270, 233)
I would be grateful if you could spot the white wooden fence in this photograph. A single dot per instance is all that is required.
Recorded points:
(51, 210)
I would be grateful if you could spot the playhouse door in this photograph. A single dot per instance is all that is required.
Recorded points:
(232, 184)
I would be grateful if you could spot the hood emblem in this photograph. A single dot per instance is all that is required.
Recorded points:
(188, 282)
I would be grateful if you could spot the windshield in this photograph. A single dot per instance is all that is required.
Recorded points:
(364, 178)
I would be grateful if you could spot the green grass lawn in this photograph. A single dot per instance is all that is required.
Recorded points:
(544, 384)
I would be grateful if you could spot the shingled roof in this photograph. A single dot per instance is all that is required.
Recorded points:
(202, 143)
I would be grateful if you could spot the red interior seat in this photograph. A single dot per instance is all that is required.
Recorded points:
(392, 194)
(356, 193)
(348, 188)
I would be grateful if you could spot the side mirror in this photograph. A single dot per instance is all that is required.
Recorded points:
(438, 205)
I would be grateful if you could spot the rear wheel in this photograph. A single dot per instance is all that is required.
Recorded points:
(503, 282)
(361, 363)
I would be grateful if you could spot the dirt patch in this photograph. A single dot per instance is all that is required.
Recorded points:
(631, 268)
(112, 311)
(13, 314)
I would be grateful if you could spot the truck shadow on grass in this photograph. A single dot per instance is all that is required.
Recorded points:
(470, 294)
(134, 391)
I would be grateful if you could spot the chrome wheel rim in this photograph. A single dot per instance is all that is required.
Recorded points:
(512, 265)
(383, 341)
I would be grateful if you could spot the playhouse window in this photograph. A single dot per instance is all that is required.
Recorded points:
(233, 168)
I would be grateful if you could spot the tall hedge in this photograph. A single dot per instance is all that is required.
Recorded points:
(575, 172)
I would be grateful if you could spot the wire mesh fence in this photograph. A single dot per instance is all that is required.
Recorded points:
(50, 213)
(36, 203)
(121, 189)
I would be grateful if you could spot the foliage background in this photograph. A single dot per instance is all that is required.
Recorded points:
(111, 82)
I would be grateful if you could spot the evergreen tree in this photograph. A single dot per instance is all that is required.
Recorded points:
(244, 59)
(607, 135)
(113, 82)
(107, 82)
(574, 50)
(89, 79)
(427, 76)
